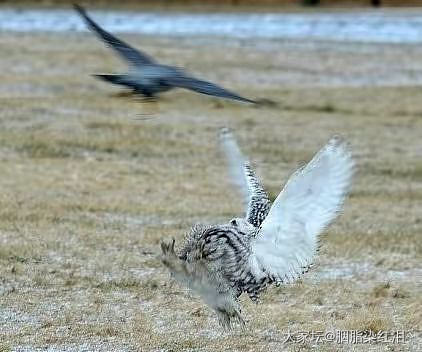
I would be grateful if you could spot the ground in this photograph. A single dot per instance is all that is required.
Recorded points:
(89, 188)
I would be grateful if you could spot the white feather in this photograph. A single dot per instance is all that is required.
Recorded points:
(288, 238)
(236, 163)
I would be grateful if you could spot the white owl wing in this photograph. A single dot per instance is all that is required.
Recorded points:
(288, 238)
(256, 201)
(235, 161)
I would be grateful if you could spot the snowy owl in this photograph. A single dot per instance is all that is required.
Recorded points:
(274, 243)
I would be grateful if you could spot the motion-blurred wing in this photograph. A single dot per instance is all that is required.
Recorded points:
(235, 162)
(242, 175)
(204, 87)
(288, 239)
(133, 56)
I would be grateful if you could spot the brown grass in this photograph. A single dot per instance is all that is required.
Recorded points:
(88, 191)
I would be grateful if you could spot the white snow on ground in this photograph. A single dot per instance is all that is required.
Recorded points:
(361, 26)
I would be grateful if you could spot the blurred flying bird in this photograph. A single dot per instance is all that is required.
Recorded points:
(146, 76)
(273, 243)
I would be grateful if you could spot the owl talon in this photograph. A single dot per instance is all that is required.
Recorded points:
(168, 248)
(168, 255)
(228, 319)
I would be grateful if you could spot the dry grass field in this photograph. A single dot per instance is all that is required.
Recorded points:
(88, 190)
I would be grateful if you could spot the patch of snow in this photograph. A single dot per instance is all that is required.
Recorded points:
(361, 26)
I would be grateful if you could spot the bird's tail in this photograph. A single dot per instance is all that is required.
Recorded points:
(115, 79)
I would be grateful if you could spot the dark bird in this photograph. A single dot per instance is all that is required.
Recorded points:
(146, 76)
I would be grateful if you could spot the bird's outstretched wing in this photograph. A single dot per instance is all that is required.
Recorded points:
(204, 87)
(288, 238)
(243, 176)
(259, 204)
(130, 54)
(235, 162)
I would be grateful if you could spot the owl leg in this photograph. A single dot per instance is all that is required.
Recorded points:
(228, 315)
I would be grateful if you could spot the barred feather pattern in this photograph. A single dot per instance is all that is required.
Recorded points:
(225, 247)
(259, 203)
(273, 244)
(245, 179)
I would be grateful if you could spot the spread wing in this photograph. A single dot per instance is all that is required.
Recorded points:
(130, 54)
(259, 204)
(288, 238)
(204, 87)
(243, 176)
(235, 162)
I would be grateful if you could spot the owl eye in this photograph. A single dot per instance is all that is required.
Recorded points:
(233, 222)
